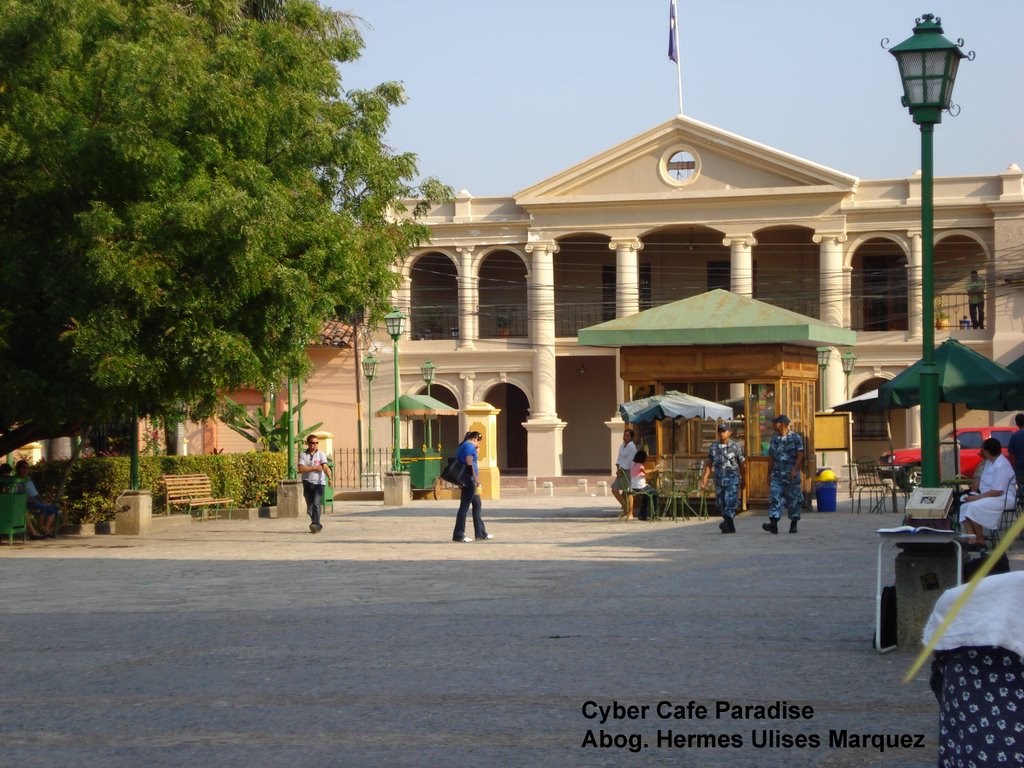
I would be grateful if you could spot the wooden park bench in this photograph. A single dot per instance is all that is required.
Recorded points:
(192, 492)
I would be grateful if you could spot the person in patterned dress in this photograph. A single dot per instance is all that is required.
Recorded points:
(725, 463)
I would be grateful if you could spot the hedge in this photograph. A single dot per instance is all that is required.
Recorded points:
(95, 483)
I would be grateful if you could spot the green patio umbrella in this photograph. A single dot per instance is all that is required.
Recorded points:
(965, 376)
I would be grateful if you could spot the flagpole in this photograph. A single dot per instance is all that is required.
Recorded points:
(673, 50)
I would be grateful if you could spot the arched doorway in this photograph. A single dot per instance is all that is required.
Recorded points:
(514, 407)
(444, 429)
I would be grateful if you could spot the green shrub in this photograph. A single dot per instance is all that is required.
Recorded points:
(95, 483)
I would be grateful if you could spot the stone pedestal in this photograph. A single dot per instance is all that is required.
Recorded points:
(483, 418)
(290, 501)
(544, 447)
(923, 573)
(397, 489)
(133, 514)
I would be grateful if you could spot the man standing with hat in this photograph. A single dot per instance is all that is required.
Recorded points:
(785, 457)
(725, 459)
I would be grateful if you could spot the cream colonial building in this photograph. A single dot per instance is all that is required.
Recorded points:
(496, 298)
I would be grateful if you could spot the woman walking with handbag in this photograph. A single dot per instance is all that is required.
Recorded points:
(467, 455)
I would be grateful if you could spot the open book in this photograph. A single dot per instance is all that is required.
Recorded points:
(918, 529)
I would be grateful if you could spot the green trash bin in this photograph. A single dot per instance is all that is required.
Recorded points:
(13, 508)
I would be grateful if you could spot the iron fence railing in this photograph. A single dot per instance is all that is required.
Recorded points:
(569, 318)
(346, 467)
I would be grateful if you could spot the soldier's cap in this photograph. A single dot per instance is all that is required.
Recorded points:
(781, 419)
(724, 427)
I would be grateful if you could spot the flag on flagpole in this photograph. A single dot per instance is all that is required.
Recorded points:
(673, 54)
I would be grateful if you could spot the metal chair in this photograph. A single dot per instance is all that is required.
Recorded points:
(1011, 511)
(672, 494)
(871, 484)
(696, 498)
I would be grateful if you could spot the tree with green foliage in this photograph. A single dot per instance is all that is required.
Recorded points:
(186, 194)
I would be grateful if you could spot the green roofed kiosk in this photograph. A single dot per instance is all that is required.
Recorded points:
(753, 356)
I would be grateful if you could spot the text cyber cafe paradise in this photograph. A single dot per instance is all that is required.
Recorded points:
(615, 715)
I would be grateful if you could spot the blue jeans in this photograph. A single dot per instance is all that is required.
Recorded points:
(314, 495)
(470, 497)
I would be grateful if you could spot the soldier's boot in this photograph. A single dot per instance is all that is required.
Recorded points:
(732, 525)
(792, 526)
(772, 526)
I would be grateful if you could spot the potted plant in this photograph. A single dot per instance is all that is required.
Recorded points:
(941, 317)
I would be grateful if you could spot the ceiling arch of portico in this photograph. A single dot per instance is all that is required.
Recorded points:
(480, 258)
(969, 234)
(412, 258)
(519, 380)
(440, 381)
(857, 241)
(684, 228)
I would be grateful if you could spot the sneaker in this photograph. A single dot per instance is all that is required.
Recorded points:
(485, 537)
(772, 526)
(312, 527)
(463, 540)
(792, 526)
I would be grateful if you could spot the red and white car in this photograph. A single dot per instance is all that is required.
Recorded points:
(904, 464)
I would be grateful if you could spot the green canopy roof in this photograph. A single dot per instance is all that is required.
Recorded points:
(715, 317)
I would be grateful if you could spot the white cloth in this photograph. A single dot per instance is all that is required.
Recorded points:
(315, 459)
(626, 453)
(993, 615)
(996, 475)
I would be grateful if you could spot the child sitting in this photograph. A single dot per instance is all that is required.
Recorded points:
(641, 491)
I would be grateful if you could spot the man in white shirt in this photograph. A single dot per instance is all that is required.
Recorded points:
(623, 461)
(315, 474)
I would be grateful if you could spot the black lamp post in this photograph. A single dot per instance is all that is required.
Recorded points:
(394, 321)
(928, 63)
(427, 370)
(370, 371)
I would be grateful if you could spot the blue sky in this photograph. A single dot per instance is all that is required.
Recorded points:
(504, 94)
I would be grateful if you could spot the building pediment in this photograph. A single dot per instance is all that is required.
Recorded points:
(685, 158)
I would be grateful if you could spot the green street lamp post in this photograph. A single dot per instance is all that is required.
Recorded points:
(928, 63)
(370, 371)
(427, 369)
(849, 360)
(394, 321)
(824, 353)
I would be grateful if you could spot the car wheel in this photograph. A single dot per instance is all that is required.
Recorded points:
(910, 477)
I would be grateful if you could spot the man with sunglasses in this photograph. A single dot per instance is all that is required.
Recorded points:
(315, 474)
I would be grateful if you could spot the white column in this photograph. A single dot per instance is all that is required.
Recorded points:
(544, 430)
(915, 300)
(830, 277)
(847, 293)
(468, 303)
(468, 399)
(543, 328)
(741, 269)
(402, 301)
(627, 275)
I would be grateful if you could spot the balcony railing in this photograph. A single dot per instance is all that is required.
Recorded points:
(569, 318)
(434, 322)
(954, 308)
(503, 321)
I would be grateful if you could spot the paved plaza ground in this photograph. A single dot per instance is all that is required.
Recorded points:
(381, 643)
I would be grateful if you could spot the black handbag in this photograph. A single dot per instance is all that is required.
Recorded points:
(455, 472)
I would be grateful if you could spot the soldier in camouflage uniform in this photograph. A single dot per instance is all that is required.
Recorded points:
(725, 460)
(785, 457)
